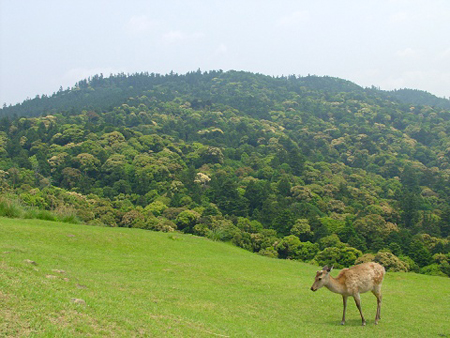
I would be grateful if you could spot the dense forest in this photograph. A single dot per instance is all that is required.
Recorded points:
(316, 169)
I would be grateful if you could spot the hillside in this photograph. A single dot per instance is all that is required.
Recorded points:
(101, 92)
(142, 283)
(316, 169)
(217, 87)
(420, 97)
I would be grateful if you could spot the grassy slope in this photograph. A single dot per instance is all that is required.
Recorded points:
(141, 283)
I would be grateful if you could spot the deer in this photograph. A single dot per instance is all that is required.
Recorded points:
(352, 282)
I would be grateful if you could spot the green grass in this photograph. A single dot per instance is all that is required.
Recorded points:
(142, 283)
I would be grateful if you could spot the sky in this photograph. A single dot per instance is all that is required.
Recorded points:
(389, 44)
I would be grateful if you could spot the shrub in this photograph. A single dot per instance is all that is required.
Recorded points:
(45, 215)
(186, 220)
(365, 258)
(268, 252)
(156, 208)
(133, 219)
(108, 219)
(433, 270)
(246, 225)
(291, 247)
(70, 218)
(443, 261)
(96, 222)
(243, 240)
(264, 239)
(302, 229)
(420, 254)
(201, 229)
(413, 266)
(339, 257)
(223, 230)
(160, 224)
(10, 209)
(391, 262)
(330, 241)
(67, 215)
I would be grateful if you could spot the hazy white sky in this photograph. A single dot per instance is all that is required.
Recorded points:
(46, 44)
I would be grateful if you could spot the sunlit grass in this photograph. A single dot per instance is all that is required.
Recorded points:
(142, 283)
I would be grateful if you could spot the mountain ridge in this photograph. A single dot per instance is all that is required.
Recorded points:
(117, 88)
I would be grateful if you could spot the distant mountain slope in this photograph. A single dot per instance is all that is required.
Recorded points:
(103, 93)
(419, 97)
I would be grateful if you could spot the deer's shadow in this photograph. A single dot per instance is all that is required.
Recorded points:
(348, 322)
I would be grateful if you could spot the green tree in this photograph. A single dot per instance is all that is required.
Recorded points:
(284, 221)
(224, 192)
(419, 253)
(186, 220)
(256, 193)
(410, 198)
(339, 257)
(302, 229)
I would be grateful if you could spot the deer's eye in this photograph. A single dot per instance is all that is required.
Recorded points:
(320, 278)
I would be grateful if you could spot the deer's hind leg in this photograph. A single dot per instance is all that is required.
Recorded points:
(377, 292)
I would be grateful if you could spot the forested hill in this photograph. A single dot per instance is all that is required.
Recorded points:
(311, 168)
(419, 97)
(99, 92)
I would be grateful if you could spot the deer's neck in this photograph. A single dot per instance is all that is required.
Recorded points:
(335, 285)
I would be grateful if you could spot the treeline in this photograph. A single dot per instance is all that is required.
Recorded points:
(245, 91)
(315, 169)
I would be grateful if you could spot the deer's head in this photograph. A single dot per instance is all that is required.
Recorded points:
(322, 278)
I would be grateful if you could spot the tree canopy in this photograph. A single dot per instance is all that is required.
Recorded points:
(309, 168)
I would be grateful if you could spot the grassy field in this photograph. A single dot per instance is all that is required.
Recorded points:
(93, 281)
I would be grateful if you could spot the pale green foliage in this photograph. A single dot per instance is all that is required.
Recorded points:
(369, 257)
(374, 226)
(88, 162)
(339, 257)
(301, 228)
(133, 219)
(187, 219)
(160, 224)
(331, 241)
(247, 225)
(223, 230)
(156, 208)
(412, 266)
(303, 193)
(269, 252)
(332, 225)
(109, 139)
(391, 262)
(292, 248)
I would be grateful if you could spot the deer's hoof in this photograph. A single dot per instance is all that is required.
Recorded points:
(342, 323)
(363, 323)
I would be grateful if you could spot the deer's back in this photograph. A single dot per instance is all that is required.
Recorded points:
(362, 278)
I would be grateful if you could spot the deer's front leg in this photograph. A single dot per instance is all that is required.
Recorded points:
(344, 299)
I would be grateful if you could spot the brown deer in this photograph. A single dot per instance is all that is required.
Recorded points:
(351, 282)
